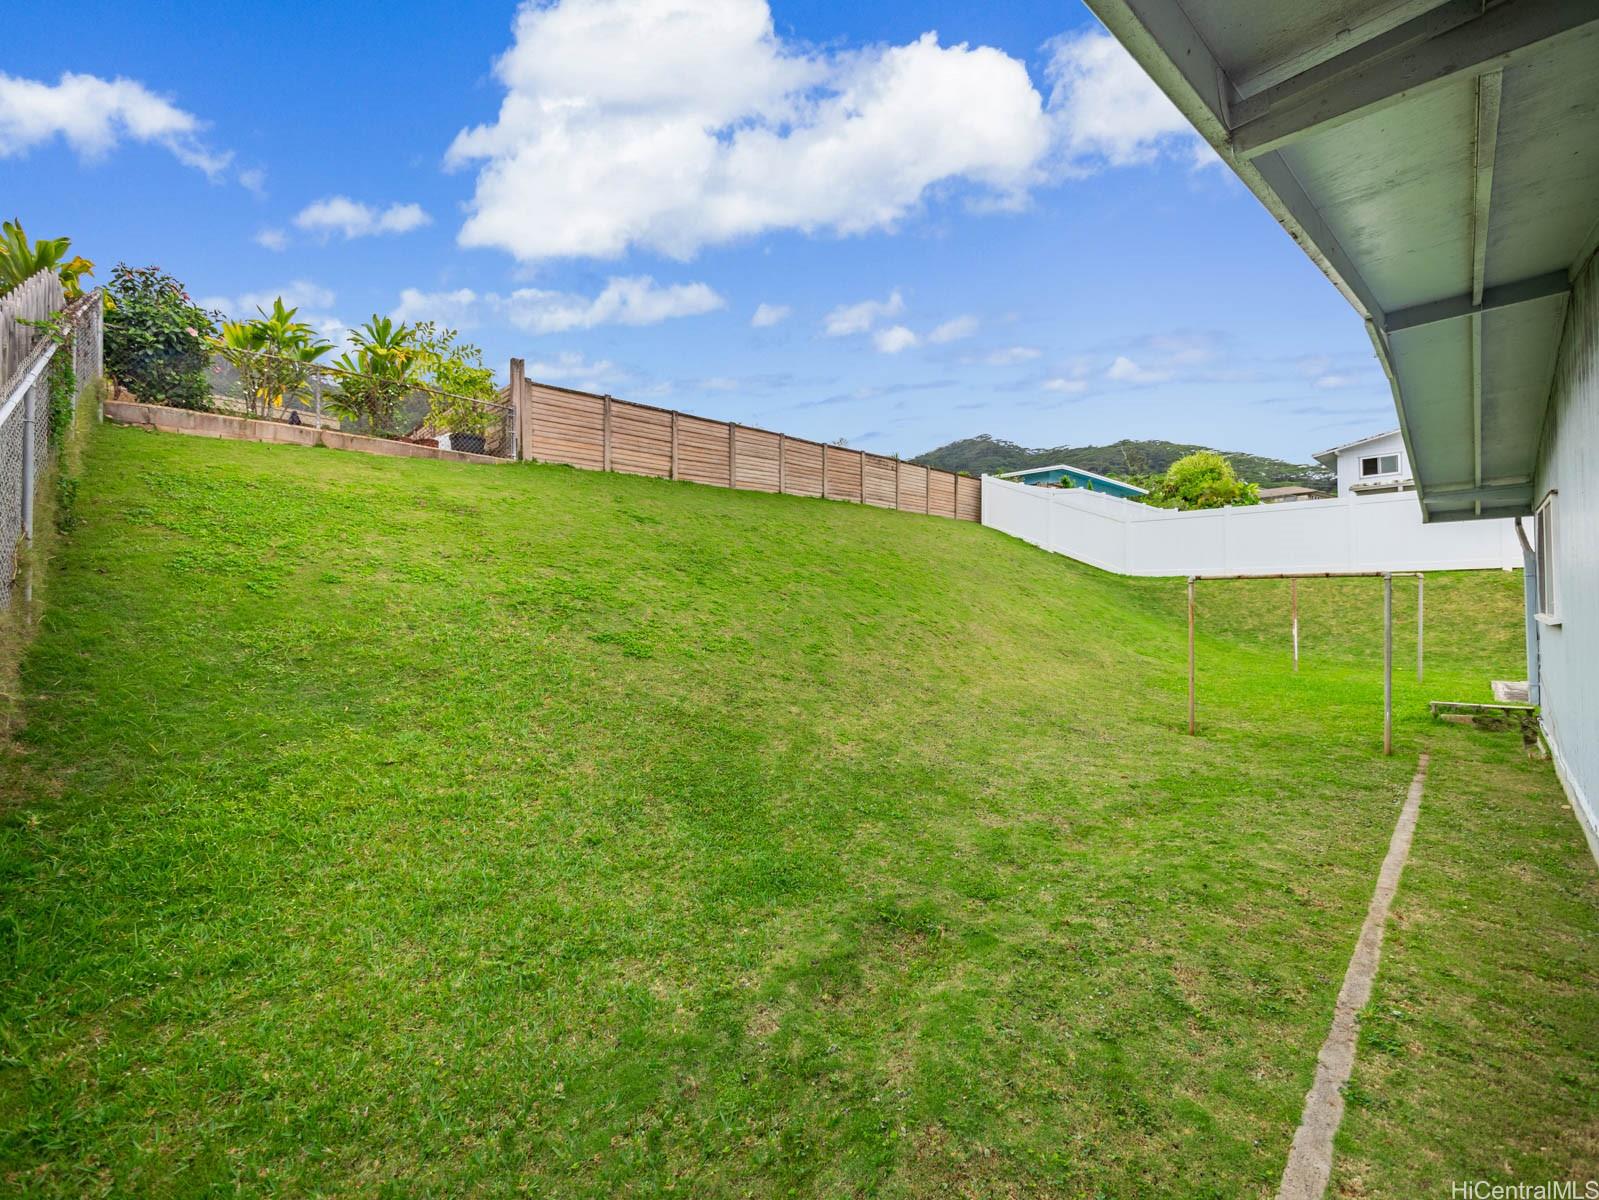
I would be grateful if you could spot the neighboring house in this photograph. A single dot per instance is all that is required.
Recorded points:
(1287, 495)
(1440, 169)
(1370, 465)
(1060, 474)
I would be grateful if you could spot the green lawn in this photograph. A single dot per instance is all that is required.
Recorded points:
(405, 828)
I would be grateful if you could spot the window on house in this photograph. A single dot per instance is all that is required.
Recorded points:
(1545, 528)
(1380, 464)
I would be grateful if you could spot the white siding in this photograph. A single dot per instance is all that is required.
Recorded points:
(1568, 462)
(1349, 462)
(1350, 533)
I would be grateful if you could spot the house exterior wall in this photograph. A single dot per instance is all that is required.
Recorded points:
(1568, 465)
(1349, 533)
(1349, 462)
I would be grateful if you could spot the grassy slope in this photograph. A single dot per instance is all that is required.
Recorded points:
(388, 826)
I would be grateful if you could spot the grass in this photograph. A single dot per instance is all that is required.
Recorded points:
(389, 828)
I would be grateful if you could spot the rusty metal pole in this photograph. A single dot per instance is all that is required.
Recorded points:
(1191, 723)
(1388, 664)
(1421, 607)
(1293, 592)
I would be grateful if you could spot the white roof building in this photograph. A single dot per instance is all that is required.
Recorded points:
(1373, 464)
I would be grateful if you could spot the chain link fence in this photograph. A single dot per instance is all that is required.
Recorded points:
(37, 403)
(267, 387)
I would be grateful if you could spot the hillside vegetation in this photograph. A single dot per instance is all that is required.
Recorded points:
(391, 828)
(987, 455)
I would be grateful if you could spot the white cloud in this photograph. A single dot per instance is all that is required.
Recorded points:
(670, 125)
(894, 339)
(571, 368)
(340, 214)
(300, 293)
(1010, 356)
(1061, 384)
(767, 315)
(1125, 370)
(1108, 111)
(272, 239)
(859, 318)
(629, 300)
(953, 330)
(92, 115)
(253, 179)
(1331, 382)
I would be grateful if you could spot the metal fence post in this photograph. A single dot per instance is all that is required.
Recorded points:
(28, 465)
(1293, 587)
(1421, 607)
(1387, 664)
(1192, 727)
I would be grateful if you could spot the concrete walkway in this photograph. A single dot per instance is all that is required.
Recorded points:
(1310, 1157)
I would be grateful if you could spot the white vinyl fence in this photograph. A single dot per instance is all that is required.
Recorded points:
(1350, 533)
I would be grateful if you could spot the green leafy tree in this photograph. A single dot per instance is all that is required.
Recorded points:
(464, 384)
(1203, 479)
(20, 260)
(386, 366)
(157, 340)
(272, 353)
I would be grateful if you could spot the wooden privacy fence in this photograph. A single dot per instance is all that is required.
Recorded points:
(34, 299)
(601, 433)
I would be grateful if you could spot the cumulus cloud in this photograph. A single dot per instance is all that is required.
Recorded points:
(630, 300)
(953, 330)
(670, 125)
(893, 339)
(272, 239)
(767, 315)
(93, 115)
(859, 318)
(352, 219)
(1062, 384)
(299, 293)
(1107, 111)
(1125, 370)
(571, 368)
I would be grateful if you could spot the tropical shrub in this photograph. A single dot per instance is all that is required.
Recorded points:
(272, 353)
(157, 339)
(20, 260)
(385, 367)
(1203, 479)
(464, 384)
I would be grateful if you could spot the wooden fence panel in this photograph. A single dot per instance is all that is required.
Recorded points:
(843, 473)
(968, 498)
(802, 468)
(912, 487)
(702, 450)
(568, 427)
(881, 486)
(756, 465)
(641, 440)
(602, 434)
(34, 299)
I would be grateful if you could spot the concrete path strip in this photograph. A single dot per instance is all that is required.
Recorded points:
(1310, 1157)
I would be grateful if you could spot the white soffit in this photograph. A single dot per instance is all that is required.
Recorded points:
(1440, 162)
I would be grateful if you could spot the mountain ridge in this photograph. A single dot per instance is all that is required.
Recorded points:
(1129, 457)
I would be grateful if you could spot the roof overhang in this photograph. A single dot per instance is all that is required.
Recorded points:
(1439, 161)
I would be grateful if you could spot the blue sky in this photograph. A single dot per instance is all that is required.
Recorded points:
(999, 229)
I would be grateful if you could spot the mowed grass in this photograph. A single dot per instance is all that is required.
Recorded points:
(391, 828)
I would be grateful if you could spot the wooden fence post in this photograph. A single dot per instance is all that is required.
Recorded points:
(927, 489)
(824, 472)
(732, 455)
(674, 443)
(782, 476)
(605, 433)
(863, 476)
(896, 481)
(521, 410)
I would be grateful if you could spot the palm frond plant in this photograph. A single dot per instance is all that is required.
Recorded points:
(21, 260)
(385, 367)
(273, 354)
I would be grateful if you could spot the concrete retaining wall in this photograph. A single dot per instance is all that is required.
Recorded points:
(245, 429)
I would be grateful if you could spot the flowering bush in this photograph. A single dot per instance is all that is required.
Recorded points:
(156, 338)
